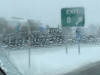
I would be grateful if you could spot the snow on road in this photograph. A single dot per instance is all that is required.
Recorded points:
(54, 60)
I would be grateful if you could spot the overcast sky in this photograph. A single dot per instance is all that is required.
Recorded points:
(49, 11)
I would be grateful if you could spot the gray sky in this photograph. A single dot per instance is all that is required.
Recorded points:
(49, 11)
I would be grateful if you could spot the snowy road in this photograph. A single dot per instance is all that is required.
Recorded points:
(54, 60)
(94, 69)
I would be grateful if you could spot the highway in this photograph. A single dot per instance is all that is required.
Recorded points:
(93, 69)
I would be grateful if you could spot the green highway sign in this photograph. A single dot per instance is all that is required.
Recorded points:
(72, 17)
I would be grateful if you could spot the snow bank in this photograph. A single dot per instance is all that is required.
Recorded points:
(53, 61)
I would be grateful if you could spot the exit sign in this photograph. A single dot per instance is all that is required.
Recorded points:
(72, 17)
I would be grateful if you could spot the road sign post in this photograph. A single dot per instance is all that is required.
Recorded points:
(73, 17)
(78, 38)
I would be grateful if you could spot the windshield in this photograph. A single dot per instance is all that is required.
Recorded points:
(49, 37)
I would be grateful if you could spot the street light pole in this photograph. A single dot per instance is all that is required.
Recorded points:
(29, 43)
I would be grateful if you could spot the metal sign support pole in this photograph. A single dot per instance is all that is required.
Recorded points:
(66, 48)
(78, 47)
(78, 40)
(29, 57)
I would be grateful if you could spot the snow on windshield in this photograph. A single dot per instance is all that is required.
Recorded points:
(37, 37)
